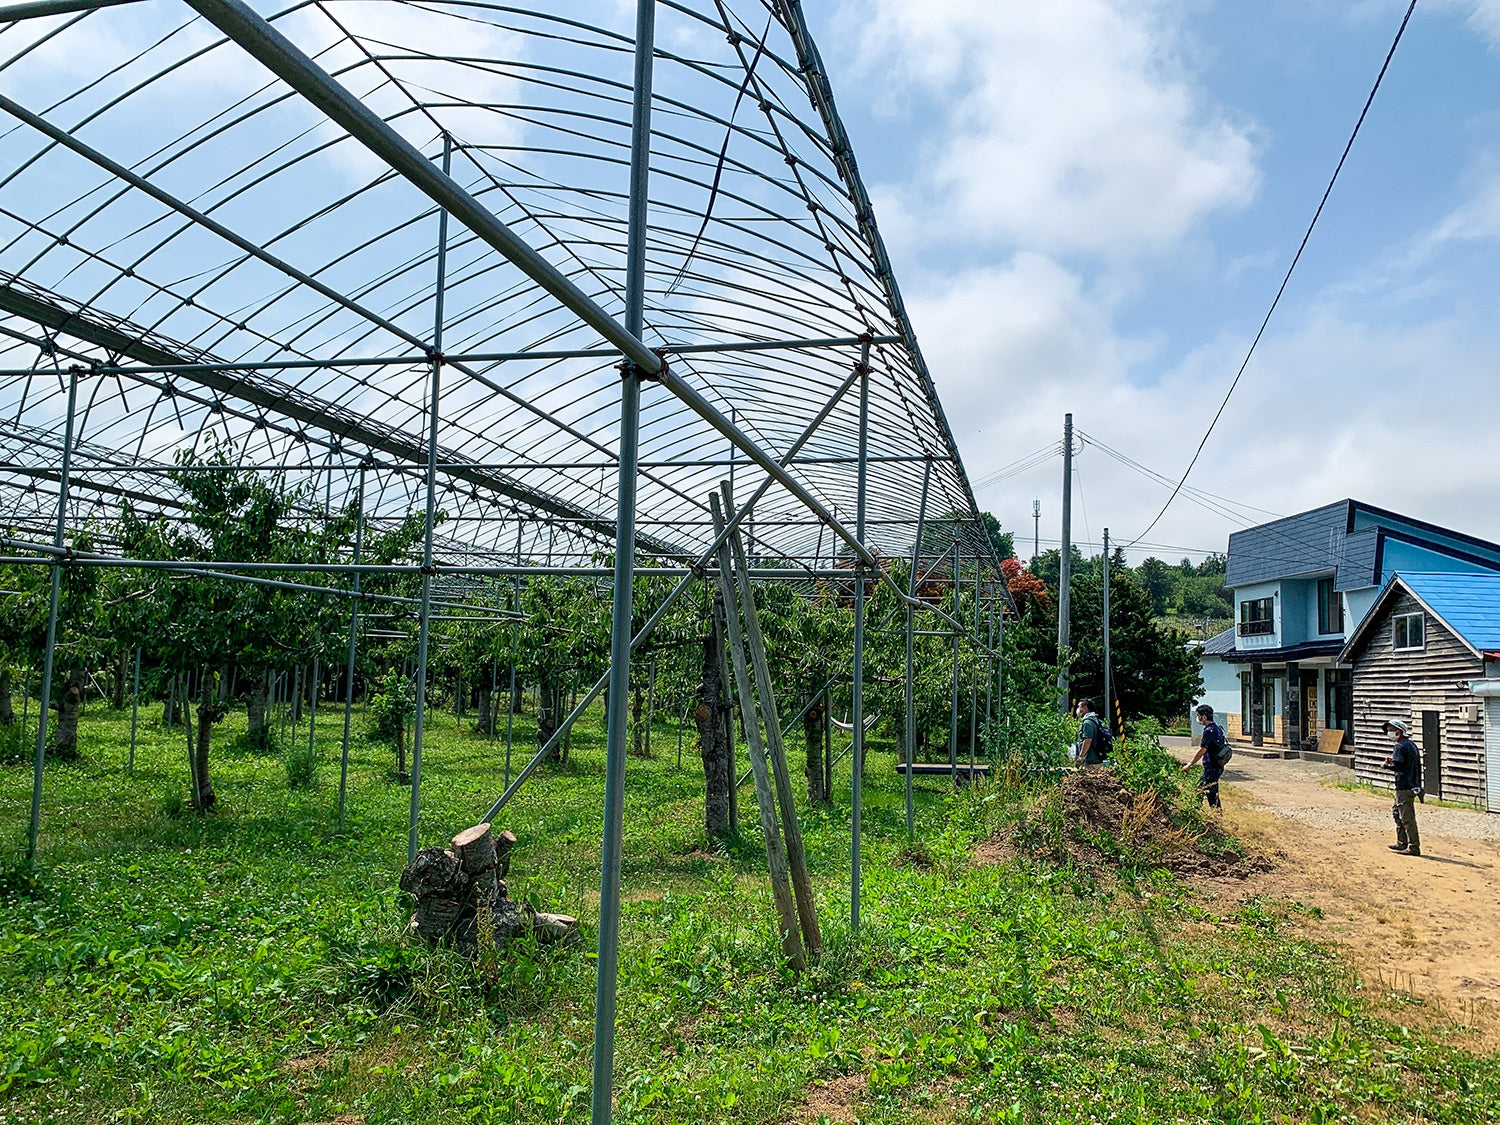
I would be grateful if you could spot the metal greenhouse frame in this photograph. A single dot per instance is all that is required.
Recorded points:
(486, 281)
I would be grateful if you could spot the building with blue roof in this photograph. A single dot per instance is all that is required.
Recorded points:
(1428, 653)
(1302, 585)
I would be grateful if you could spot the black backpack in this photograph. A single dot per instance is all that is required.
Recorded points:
(1223, 751)
(1105, 740)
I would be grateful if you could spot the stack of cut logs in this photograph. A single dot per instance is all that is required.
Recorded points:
(460, 892)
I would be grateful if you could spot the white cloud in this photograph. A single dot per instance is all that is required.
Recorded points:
(1331, 408)
(1070, 125)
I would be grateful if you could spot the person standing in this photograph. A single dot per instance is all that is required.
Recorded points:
(1211, 752)
(1090, 747)
(1405, 761)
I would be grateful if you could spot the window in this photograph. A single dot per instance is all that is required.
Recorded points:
(1330, 608)
(1257, 617)
(1407, 631)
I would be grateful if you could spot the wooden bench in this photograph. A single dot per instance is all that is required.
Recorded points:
(963, 769)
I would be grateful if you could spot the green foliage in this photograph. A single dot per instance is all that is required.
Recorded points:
(252, 967)
(1032, 742)
(1144, 764)
(391, 707)
(300, 767)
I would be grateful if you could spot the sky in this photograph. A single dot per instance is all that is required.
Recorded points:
(1090, 205)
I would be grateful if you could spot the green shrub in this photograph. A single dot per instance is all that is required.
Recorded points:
(1142, 762)
(299, 768)
(15, 747)
(1029, 744)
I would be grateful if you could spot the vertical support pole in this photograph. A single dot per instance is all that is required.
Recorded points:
(359, 535)
(1065, 573)
(974, 693)
(857, 702)
(911, 703)
(423, 630)
(1108, 711)
(953, 717)
(1257, 705)
(989, 665)
(1293, 706)
(49, 652)
(515, 655)
(807, 910)
(135, 702)
(765, 798)
(618, 702)
(312, 708)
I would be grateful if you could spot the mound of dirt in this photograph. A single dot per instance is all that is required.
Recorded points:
(1093, 820)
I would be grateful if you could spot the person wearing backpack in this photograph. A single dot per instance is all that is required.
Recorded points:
(1214, 752)
(1094, 740)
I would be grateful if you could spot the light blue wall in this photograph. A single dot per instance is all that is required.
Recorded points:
(1357, 603)
(1296, 593)
(1221, 689)
(1400, 556)
(1252, 593)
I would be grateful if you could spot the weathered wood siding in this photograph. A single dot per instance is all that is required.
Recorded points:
(1401, 685)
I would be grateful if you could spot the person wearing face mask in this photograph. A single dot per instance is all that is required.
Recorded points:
(1405, 761)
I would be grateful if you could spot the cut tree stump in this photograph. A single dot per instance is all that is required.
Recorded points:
(461, 893)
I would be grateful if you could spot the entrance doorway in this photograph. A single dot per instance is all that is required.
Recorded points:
(1432, 752)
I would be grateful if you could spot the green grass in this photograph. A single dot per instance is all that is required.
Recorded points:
(250, 966)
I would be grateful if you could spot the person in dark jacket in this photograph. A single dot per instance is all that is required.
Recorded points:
(1406, 761)
(1211, 754)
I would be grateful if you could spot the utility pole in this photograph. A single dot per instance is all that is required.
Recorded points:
(1036, 530)
(1065, 569)
(1108, 682)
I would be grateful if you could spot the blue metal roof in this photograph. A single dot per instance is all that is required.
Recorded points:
(1469, 604)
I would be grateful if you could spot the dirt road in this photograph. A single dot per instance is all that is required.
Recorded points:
(1436, 918)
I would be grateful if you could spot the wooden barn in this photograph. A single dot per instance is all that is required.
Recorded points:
(1428, 652)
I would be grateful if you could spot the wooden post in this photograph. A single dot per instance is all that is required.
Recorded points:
(807, 909)
(781, 889)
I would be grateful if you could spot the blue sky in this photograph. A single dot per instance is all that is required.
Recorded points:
(1090, 204)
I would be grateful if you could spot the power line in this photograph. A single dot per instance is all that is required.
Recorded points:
(1379, 78)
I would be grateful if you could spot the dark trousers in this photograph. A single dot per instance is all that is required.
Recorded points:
(1210, 783)
(1404, 813)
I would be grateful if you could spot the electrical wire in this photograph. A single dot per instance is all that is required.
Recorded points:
(1379, 78)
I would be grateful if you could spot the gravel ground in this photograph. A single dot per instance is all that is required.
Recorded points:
(1310, 792)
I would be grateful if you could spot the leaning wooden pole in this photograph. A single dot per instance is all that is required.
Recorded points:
(807, 909)
(781, 887)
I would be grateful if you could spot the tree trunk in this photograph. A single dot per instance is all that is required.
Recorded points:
(257, 729)
(7, 708)
(486, 725)
(713, 733)
(69, 703)
(547, 719)
(118, 696)
(637, 709)
(208, 714)
(814, 719)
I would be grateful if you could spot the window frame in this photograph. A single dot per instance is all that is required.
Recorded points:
(1396, 619)
(1330, 609)
(1250, 625)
